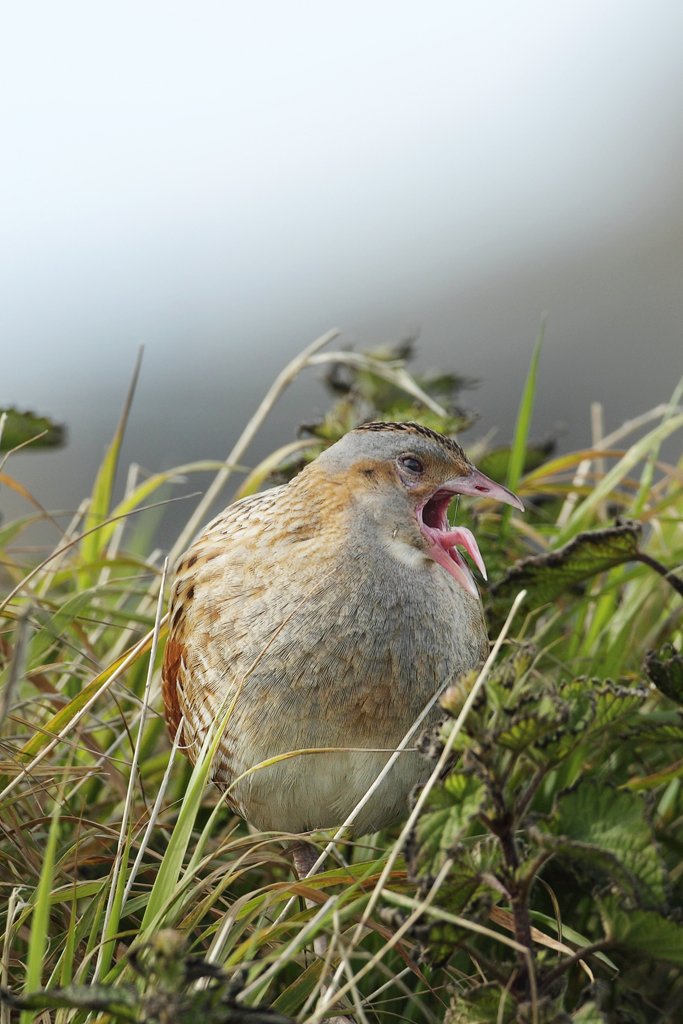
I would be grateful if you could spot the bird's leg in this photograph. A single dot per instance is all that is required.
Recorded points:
(304, 857)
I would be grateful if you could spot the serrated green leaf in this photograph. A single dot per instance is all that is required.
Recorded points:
(441, 938)
(611, 827)
(524, 732)
(546, 577)
(455, 895)
(665, 669)
(616, 703)
(642, 931)
(447, 814)
(657, 728)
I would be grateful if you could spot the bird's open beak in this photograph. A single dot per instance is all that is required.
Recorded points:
(477, 485)
(444, 540)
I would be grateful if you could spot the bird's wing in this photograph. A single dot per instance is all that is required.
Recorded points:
(213, 568)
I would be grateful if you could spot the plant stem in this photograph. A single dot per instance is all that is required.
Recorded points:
(668, 574)
(564, 965)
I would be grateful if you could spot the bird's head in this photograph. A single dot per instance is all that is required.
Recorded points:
(403, 477)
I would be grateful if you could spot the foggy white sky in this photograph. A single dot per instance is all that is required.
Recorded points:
(156, 147)
(210, 177)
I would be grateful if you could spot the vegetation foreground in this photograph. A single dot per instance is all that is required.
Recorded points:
(539, 877)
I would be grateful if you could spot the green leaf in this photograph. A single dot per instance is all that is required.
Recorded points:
(527, 730)
(135, 500)
(111, 924)
(546, 577)
(165, 888)
(642, 931)
(665, 669)
(447, 814)
(568, 934)
(11, 530)
(20, 427)
(615, 703)
(608, 828)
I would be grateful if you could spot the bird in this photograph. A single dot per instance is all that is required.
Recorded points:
(320, 617)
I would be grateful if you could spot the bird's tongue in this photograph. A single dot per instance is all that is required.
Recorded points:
(444, 550)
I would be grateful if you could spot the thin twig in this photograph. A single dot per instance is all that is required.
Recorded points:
(575, 958)
(668, 574)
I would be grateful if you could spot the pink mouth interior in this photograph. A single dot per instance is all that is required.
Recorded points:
(444, 541)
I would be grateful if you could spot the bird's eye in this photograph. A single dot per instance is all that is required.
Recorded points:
(412, 464)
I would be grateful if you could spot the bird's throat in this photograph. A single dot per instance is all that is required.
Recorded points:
(443, 542)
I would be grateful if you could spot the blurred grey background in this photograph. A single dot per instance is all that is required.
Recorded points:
(225, 181)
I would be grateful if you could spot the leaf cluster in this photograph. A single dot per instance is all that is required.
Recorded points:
(548, 832)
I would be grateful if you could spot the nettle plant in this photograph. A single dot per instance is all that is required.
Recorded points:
(548, 824)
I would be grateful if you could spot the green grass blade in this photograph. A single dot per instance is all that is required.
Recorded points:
(70, 711)
(113, 917)
(524, 416)
(133, 501)
(100, 501)
(611, 480)
(66, 975)
(40, 920)
(166, 881)
(649, 470)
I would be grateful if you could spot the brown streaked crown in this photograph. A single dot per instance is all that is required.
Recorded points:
(418, 429)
